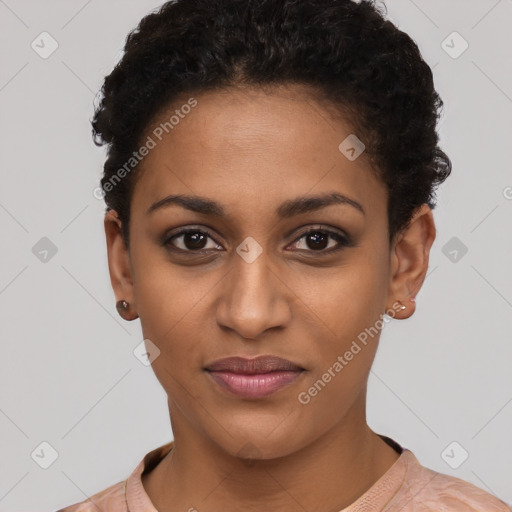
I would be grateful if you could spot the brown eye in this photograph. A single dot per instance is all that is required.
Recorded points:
(192, 240)
(317, 240)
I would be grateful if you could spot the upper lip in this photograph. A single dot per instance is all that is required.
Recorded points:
(261, 364)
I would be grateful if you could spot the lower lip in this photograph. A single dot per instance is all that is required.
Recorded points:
(254, 386)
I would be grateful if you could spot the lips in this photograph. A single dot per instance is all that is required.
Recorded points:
(258, 365)
(253, 378)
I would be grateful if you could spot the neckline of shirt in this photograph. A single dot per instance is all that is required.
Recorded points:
(378, 495)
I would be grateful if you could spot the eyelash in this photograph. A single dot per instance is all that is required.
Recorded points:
(343, 240)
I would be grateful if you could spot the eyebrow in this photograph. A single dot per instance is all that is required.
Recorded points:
(289, 208)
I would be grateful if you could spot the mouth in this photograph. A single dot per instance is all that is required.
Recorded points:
(253, 378)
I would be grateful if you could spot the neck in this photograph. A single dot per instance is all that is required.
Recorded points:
(328, 474)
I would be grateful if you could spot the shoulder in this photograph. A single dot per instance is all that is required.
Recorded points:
(457, 494)
(126, 494)
(427, 490)
(110, 499)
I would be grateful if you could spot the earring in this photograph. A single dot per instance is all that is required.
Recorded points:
(402, 306)
(122, 307)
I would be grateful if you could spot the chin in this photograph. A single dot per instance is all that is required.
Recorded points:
(261, 446)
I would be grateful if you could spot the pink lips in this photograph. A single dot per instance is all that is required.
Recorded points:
(253, 378)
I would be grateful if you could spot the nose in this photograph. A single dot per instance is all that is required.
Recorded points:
(254, 299)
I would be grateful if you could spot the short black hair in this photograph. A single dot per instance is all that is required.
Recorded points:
(353, 58)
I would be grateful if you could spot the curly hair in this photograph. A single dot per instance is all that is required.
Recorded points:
(347, 52)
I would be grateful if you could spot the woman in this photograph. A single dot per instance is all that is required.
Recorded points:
(270, 183)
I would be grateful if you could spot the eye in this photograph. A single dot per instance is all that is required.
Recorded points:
(317, 240)
(193, 240)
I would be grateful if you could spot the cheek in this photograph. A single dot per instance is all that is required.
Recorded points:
(181, 355)
(344, 348)
(341, 301)
(332, 393)
(171, 302)
(165, 293)
(343, 332)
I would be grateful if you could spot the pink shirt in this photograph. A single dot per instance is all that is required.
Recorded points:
(407, 486)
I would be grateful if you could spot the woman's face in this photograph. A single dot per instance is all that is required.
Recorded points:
(251, 281)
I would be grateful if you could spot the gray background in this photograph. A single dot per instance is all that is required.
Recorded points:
(67, 372)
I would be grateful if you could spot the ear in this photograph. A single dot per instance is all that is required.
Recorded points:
(119, 263)
(409, 261)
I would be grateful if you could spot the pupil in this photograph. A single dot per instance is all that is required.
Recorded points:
(196, 238)
(316, 237)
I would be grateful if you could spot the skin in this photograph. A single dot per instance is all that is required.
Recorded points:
(250, 151)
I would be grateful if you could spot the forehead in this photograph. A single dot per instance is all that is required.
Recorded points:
(249, 147)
